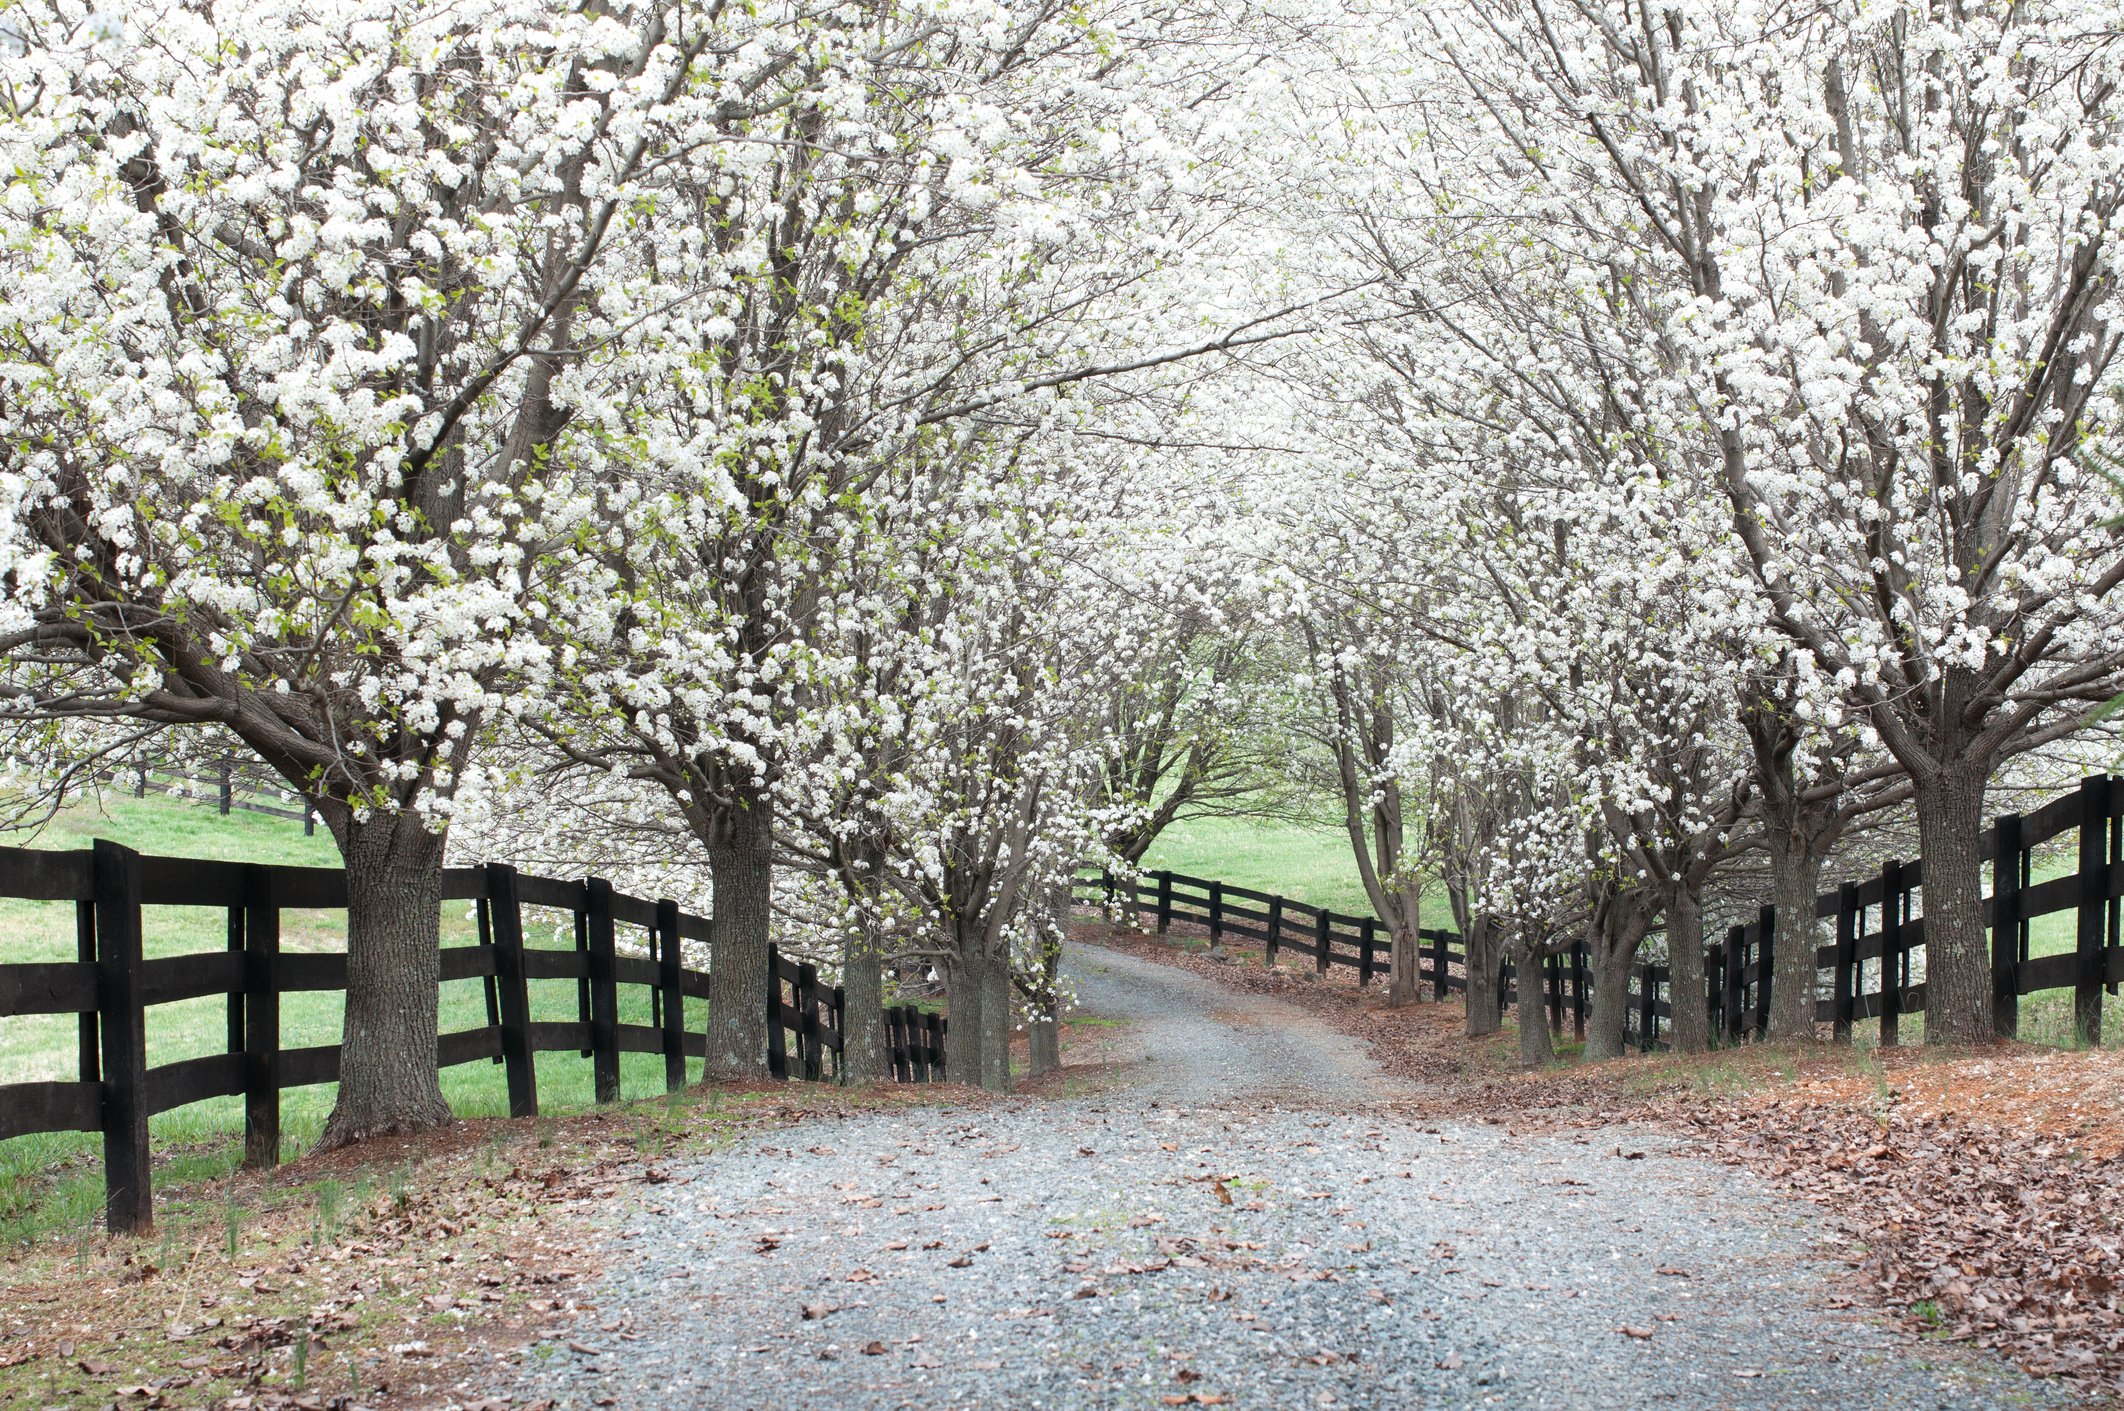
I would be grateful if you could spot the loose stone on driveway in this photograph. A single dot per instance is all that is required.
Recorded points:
(1245, 1221)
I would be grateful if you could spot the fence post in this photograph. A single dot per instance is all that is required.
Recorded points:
(128, 1198)
(1216, 915)
(1892, 900)
(937, 1030)
(261, 1027)
(490, 983)
(2006, 928)
(2093, 909)
(1647, 1008)
(839, 1011)
(235, 998)
(1575, 989)
(1165, 900)
(1275, 930)
(506, 915)
(90, 1065)
(1438, 955)
(228, 787)
(1765, 968)
(1552, 987)
(808, 1042)
(671, 963)
(1365, 942)
(1322, 940)
(777, 1047)
(1735, 966)
(604, 991)
(309, 816)
(1715, 989)
(1844, 1003)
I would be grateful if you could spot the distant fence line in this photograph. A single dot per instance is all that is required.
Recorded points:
(1867, 972)
(222, 781)
(111, 984)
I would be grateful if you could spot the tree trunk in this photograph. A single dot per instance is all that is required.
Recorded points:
(1485, 1005)
(1043, 1017)
(1950, 816)
(1795, 878)
(995, 1025)
(387, 1075)
(1535, 1049)
(741, 863)
(1608, 1020)
(1405, 948)
(863, 1006)
(1691, 1031)
(965, 992)
(1405, 960)
(1046, 1045)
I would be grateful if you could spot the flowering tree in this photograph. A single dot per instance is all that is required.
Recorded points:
(1878, 244)
(311, 316)
(945, 222)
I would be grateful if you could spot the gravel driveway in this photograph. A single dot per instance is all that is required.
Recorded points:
(1245, 1221)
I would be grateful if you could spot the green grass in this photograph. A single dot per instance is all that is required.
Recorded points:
(54, 1181)
(1306, 862)
(1311, 863)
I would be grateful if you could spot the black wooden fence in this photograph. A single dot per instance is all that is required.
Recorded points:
(1866, 973)
(111, 984)
(914, 1044)
(1880, 929)
(232, 785)
(1329, 938)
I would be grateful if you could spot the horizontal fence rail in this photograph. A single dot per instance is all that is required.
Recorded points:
(111, 984)
(1867, 974)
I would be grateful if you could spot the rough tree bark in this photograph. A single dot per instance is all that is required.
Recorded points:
(863, 1006)
(1485, 1009)
(1608, 1018)
(1795, 879)
(1950, 818)
(1691, 1031)
(962, 1005)
(1043, 1001)
(1046, 1044)
(1613, 939)
(995, 1024)
(394, 973)
(1797, 835)
(741, 864)
(1535, 1049)
(1406, 960)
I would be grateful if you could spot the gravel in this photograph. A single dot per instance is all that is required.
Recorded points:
(1078, 1251)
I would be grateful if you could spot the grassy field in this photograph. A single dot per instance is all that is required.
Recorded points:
(56, 1180)
(1305, 862)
